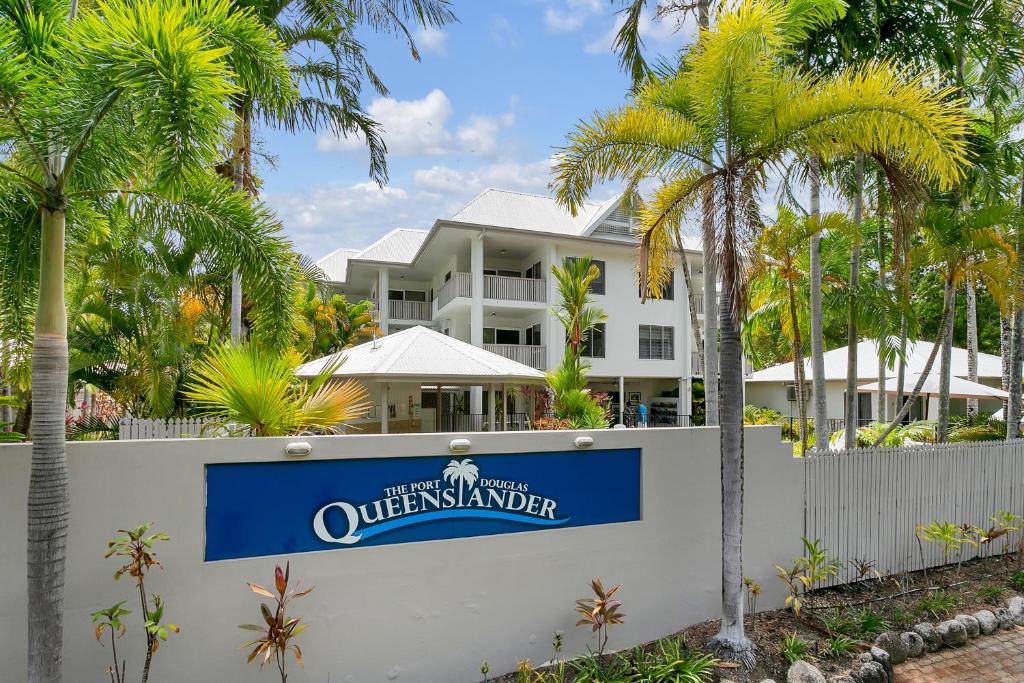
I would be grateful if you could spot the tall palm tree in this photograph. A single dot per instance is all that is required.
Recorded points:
(99, 101)
(732, 91)
(329, 65)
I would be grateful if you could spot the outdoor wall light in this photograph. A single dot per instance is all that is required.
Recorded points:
(459, 445)
(583, 441)
(298, 449)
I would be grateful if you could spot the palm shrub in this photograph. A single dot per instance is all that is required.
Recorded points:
(249, 386)
(98, 102)
(708, 130)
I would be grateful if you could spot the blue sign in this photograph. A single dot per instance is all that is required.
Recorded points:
(275, 508)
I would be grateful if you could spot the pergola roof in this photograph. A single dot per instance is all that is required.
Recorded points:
(419, 354)
(958, 387)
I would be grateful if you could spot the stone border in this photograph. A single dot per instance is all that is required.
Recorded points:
(891, 648)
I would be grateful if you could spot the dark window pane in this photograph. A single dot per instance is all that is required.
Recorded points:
(396, 295)
(506, 336)
(488, 335)
(415, 295)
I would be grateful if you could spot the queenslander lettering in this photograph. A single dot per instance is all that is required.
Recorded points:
(459, 493)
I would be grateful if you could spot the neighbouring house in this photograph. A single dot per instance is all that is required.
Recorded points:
(774, 387)
(483, 276)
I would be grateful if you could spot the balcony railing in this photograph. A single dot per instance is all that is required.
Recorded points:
(515, 288)
(461, 284)
(475, 422)
(534, 356)
(409, 310)
(748, 368)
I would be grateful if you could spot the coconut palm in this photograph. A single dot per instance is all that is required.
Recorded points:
(732, 91)
(461, 473)
(98, 102)
(330, 325)
(249, 387)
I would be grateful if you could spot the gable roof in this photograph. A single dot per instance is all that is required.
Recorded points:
(867, 364)
(398, 246)
(335, 264)
(421, 354)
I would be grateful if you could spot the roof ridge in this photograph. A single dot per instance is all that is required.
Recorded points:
(397, 351)
(529, 194)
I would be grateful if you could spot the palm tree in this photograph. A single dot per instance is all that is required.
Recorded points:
(461, 473)
(255, 388)
(328, 65)
(733, 92)
(99, 101)
(333, 325)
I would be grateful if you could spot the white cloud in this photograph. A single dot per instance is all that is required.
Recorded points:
(502, 32)
(421, 127)
(508, 175)
(664, 31)
(431, 39)
(561, 23)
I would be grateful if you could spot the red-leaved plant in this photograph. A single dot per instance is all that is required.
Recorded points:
(600, 612)
(278, 630)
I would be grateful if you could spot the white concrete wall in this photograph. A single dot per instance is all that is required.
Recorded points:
(425, 612)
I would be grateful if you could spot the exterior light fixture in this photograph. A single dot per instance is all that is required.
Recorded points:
(459, 445)
(298, 449)
(583, 441)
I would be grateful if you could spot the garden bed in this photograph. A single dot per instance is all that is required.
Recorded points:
(835, 624)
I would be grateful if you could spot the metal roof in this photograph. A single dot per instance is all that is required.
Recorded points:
(419, 354)
(867, 364)
(509, 209)
(958, 387)
(335, 264)
(398, 246)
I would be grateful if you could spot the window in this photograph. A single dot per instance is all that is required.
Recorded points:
(597, 286)
(533, 335)
(448, 276)
(667, 292)
(501, 272)
(593, 345)
(396, 295)
(407, 295)
(500, 335)
(657, 342)
(533, 272)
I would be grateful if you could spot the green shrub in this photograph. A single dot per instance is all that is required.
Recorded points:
(990, 594)
(673, 662)
(837, 623)
(1017, 581)
(869, 622)
(837, 646)
(936, 605)
(981, 432)
(794, 648)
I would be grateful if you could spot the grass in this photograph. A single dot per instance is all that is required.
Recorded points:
(1017, 581)
(936, 605)
(794, 648)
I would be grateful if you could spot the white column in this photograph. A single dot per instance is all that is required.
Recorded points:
(504, 407)
(382, 298)
(476, 310)
(622, 398)
(384, 412)
(551, 330)
(490, 407)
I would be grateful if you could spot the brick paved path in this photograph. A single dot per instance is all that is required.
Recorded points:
(998, 658)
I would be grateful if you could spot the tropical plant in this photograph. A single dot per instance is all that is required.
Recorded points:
(950, 538)
(600, 612)
(107, 102)
(279, 631)
(672, 661)
(793, 648)
(869, 622)
(733, 95)
(936, 605)
(991, 594)
(753, 591)
(1017, 581)
(256, 390)
(838, 623)
(837, 646)
(808, 570)
(1004, 525)
(461, 473)
(551, 423)
(6, 435)
(136, 547)
(334, 324)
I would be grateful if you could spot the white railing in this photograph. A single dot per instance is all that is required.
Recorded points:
(534, 356)
(515, 288)
(695, 368)
(130, 428)
(409, 310)
(461, 284)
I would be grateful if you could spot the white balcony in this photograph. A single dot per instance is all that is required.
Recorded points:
(409, 310)
(461, 284)
(504, 288)
(534, 356)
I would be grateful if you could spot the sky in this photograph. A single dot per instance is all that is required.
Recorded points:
(491, 100)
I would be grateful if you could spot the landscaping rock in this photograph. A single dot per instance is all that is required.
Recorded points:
(869, 672)
(971, 625)
(841, 679)
(952, 633)
(913, 643)
(1004, 618)
(930, 636)
(987, 621)
(1016, 605)
(802, 672)
(891, 643)
(882, 657)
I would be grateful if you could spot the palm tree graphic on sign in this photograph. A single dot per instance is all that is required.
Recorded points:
(461, 473)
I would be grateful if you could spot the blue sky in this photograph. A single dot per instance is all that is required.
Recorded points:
(487, 105)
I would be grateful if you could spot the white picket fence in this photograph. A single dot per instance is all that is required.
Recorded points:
(864, 504)
(130, 428)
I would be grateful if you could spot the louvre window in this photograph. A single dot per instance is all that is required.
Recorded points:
(657, 342)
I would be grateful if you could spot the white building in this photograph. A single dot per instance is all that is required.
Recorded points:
(773, 387)
(484, 277)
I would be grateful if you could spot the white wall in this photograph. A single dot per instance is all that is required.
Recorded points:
(425, 612)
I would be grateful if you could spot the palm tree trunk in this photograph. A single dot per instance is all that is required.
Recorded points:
(1017, 340)
(798, 367)
(945, 367)
(731, 642)
(901, 370)
(972, 346)
(238, 167)
(709, 253)
(1005, 344)
(880, 410)
(851, 416)
(691, 302)
(817, 335)
(48, 486)
(947, 321)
